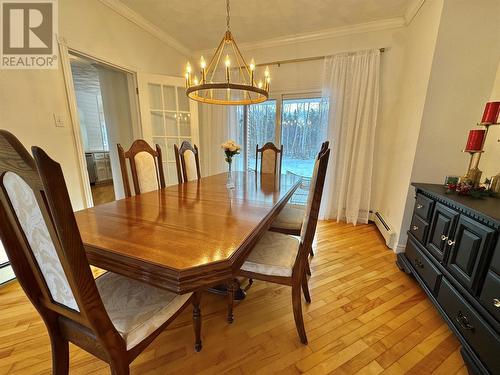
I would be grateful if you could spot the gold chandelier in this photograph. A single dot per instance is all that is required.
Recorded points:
(220, 83)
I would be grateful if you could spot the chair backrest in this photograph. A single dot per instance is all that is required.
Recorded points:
(313, 203)
(269, 154)
(145, 166)
(41, 238)
(188, 162)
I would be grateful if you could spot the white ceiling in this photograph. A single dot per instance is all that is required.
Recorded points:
(200, 24)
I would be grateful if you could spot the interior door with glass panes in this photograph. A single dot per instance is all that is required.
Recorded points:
(168, 117)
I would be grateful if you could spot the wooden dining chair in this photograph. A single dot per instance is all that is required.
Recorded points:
(282, 259)
(145, 166)
(113, 317)
(291, 218)
(187, 161)
(269, 155)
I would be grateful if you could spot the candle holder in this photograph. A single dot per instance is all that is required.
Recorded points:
(473, 175)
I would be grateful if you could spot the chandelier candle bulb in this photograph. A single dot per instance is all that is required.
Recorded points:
(252, 68)
(203, 65)
(228, 64)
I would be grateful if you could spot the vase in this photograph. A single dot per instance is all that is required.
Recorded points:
(230, 182)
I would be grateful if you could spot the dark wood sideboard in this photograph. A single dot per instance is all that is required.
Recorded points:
(453, 251)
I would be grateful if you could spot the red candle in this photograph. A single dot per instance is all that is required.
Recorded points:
(491, 112)
(475, 140)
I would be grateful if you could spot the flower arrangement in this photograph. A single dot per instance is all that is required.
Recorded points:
(231, 148)
(464, 188)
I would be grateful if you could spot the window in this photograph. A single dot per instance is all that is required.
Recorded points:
(301, 134)
(296, 122)
(260, 128)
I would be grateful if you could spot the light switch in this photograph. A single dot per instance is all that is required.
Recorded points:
(58, 121)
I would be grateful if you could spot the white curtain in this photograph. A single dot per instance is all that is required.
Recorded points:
(351, 85)
(217, 125)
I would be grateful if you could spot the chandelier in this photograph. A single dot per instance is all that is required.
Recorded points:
(227, 79)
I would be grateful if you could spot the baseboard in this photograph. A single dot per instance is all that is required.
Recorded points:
(6, 274)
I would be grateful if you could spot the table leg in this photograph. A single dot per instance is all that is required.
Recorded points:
(221, 289)
(232, 286)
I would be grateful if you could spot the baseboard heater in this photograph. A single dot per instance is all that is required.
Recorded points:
(385, 229)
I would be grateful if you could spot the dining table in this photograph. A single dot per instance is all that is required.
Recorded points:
(188, 236)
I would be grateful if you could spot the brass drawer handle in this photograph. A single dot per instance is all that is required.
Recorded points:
(463, 321)
(444, 238)
(419, 206)
(451, 243)
(415, 227)
(418, 263)
(496, 302)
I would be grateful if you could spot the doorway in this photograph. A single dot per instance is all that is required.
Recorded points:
(106, 118)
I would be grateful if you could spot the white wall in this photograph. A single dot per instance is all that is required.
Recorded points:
(402, 136)
(490, 160)
(462, 75)
(28, 99)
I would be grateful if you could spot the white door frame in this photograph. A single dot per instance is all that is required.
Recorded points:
(64, 52)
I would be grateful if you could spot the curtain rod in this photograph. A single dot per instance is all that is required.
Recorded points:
(303, 59)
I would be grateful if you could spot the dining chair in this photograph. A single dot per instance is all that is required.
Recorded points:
(112, 317)
(291, 218)
(281, 258)
(269, 154)
(187, 161)
(145, 166)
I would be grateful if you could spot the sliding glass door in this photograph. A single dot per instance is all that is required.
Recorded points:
(302, 133)
(260, 128)
(298, 123)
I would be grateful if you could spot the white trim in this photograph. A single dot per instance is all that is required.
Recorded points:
(400, 248)
(75, 122)
(390, 23)
(64, 51)
(146, 25)
(6, 274)
(413, 10)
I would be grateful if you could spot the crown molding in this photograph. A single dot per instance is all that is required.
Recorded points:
(390, 23)
(147, 26)
(412, 10)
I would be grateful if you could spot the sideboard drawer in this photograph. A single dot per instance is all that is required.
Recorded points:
(418, 228)
(477, 332)
(490, 295)
(424, 267)
(423, 207)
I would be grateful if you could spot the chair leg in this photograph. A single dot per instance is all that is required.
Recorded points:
(249, 285)
(231, 288)
(305, 289)
(60, 354)
(297, 311)
(119, 368)
(308, 268)
(311, 251)
(197, 321)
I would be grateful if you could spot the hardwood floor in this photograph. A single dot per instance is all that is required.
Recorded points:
(366, 317)
(103, 193)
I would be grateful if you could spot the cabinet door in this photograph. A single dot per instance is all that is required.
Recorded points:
(469, 252)
(442, 225)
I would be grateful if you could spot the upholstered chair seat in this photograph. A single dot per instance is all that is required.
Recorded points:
(137, 309)
(290, 218)
(273, 255)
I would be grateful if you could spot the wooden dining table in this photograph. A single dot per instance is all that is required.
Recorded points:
(188, 236)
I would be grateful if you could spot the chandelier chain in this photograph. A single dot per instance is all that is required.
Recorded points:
(227, 15)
